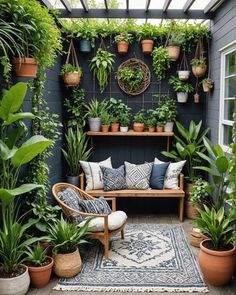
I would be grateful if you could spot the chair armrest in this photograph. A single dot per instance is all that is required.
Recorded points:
(113, 203)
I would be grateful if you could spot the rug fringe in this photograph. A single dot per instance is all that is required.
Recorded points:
(59, 287)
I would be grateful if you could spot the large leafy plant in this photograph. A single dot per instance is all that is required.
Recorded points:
(102, 65)
(180, 86)
(188, 146)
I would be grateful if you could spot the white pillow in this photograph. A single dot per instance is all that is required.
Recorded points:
(115, 220)
(93, 173)
(172, 173)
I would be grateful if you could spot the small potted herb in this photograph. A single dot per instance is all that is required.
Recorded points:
(199, 67)
(174, 43)
(123, 40)
(71, 74)
(160, 114)
(170, 107)
(139, 119)
(124, 122)
(105, 121)
(182, 88)
(207, 84)
(151, 121)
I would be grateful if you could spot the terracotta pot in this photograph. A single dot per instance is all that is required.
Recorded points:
(151, 129)
(25, 67)
(160, 128)
(199, 71)
(138, 127)
(147, 46)
(105, 128)
(122, 47)
(217, 266)
(115, 127)
(17, 285)
(183, 75)
(196, 98)
(174, 52)
(40, 276)
(71, 79)
(67, 265)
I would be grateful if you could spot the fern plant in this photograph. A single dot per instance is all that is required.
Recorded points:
(102, 65)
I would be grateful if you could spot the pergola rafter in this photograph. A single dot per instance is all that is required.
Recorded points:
(166, 5)
(84, 3)
(66, 5)
(187, 5)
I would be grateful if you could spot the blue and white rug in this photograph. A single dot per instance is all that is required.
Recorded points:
(151, 258)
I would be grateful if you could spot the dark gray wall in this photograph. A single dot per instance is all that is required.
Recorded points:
(223, 32)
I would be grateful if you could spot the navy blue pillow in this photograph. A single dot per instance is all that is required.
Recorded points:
(158, 175)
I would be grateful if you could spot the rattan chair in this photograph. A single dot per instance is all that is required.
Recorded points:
(70, 213)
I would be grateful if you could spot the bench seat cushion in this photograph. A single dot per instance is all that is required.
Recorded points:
(115, 220)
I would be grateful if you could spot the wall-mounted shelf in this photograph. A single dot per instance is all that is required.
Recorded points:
(133, 133)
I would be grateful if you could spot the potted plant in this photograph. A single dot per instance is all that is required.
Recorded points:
(182, 88)
(131, 78)
(199, 67)
(160, 126)
(39, 266)
(76, 149)
(151, 120)
(101, 66)
(139, 119)
(65, 238)
(174, 43)
(170, 108)
(87, 36)
(71, 75)
(207, 84)
(105, 121)
(183, 72)
(123, 40)
(124, 122)
(217, 253)
(147, 34)
(160, 62)
(94, 111)
(160, 114)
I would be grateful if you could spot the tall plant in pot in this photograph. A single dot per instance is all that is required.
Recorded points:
(76, 149)
(182, 88)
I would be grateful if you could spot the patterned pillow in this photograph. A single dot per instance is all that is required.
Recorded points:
(137, 176)
(172, 173)
(158, 175)
(93, 173)
(98, 206)
(113, 179)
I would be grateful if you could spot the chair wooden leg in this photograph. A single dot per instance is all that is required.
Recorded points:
(122, 234)
(181, 209)
(106, 249)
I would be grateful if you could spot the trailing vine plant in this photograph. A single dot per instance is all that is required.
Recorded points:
(160, 62)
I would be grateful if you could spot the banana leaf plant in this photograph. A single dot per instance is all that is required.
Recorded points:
(187, 147)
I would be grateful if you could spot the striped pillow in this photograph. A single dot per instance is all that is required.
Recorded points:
(98, 206)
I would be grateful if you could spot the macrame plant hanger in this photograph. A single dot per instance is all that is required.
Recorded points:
(184, 63)
(72, 54)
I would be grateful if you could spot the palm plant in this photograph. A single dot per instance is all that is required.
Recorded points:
(95, 108)
(36, 256)
(76, 150)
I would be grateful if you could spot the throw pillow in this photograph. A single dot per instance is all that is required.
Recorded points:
(172, 173)
(93, 173)
(158, 175)
(113, 179)
(137, 176)
(98, 206)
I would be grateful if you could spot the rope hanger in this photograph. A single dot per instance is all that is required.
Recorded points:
(72, 54)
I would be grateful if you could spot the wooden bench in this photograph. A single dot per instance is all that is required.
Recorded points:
(150, 193)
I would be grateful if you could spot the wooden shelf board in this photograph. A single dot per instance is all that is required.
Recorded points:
(130, 133)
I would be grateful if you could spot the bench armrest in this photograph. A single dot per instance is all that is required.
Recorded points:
(82, 181)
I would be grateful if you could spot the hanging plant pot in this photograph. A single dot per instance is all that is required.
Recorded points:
(138, 127)
(147, 46)
(174, 52)
(168, 127)
(196, 98)
(199, 71)
(207, 85)
(85, 46)
(182, 97)
(122, 47)
(183, 75)
(72, 79)
(25, 67)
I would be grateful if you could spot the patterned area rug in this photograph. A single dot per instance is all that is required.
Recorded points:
(151, 258)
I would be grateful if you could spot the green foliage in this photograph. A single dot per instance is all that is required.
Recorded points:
(95, 108)
(189, 146)
(65, 236)
(131, 77)
(105, 118)
(76, 108)
(220, 228)
(180, 86)
(160, 115)
(76, 150)
(219, 167)
(140, 116)
(151, 120)
(198, 61)
(85, 32)
(101, 66)
(200, 192)
(147, 31)
(125, 119)
(69, 68)
(169, 106)
(232, 166)
(176, 39)
(160, 62)
(124, 36)
(118, 109)
(36, 255)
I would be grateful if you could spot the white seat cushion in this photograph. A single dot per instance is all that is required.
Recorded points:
(115, 220)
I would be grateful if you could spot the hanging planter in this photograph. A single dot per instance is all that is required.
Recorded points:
(207, 84)
(147, 46)
(196, 98)
(71, 72)
(25, 67)
(85, 46)
(123, 40)
(173, 43)
(198, 63)
(173, 51)
(87, 36)
(184, 72)
(182, 88)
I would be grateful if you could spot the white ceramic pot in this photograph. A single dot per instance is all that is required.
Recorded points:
(182, 97)
(183, 75)
(16, 285)
(124, 129)
(94, 124)
(168, 127)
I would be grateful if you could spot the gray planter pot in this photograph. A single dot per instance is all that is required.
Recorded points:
(182, 97)
(94, 124)
(168, 127)
(72, 180)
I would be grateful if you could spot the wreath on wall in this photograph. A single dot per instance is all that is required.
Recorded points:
(133, 76)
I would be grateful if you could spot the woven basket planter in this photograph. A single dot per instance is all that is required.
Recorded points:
(135, 64)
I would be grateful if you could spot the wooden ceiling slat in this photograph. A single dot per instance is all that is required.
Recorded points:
(147, 5)
(213, 4)
(85, 5)
(187, 5)
(66, 5)
(166, 5)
